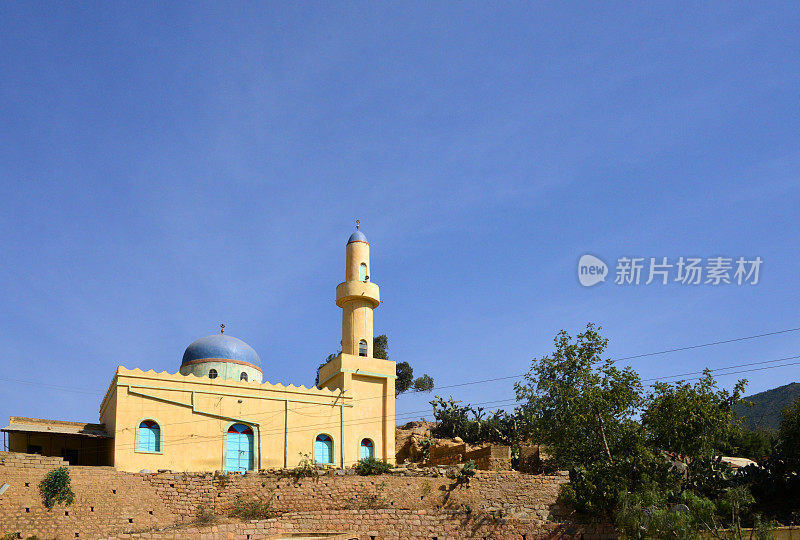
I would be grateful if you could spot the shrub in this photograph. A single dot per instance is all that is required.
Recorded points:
(649, 514)
(55, 488)
(205, 514)
(251, 509)
(466, 473)
(305, 469)
(370, 466)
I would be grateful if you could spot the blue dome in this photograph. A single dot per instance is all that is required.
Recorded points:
(357, 236)
(222, 347)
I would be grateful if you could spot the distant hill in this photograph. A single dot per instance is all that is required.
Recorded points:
(766, 411)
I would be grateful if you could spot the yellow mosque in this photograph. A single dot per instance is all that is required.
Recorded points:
(217, 413)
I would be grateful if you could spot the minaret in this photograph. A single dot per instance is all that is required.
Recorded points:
(357, 297)
(367, 381)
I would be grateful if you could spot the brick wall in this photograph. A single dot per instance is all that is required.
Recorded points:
(491, 457)
(106, 501)
(380, 524)
(109, 502)
(504, 493)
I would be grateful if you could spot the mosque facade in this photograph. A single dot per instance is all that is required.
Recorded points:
(217, 413)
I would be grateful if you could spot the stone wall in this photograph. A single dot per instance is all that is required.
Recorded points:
(379, 524)
(491, 457)
(106, 501)
(420, 503)
(505, 493)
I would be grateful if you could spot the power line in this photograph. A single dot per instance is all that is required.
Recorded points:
(368, 420)
(72, 389)
(494, 379)
(709, 344)
(504, 402)
(728, 367)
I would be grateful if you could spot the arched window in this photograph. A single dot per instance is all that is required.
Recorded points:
(367, 449)
(323, 449)
(362, 272)
(243, 376)
(212, 373)
(362, 348)
(149, 437)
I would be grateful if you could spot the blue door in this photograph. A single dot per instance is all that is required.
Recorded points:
(366, 451)
(239, 448)
(323, 449)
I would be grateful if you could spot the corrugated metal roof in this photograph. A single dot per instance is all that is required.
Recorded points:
(60, 428)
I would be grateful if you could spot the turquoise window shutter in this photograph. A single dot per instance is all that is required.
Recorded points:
(323, 449)
(367, 449)
(149, 437)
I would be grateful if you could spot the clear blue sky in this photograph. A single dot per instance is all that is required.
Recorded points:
(165, 167)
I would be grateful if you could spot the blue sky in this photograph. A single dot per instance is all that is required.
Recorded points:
(166, 167)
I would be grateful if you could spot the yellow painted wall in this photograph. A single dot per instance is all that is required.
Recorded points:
(194, 414)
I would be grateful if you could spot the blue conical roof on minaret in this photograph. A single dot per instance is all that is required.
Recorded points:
(357, 236)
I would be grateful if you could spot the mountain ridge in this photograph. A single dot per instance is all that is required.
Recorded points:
(767, 406)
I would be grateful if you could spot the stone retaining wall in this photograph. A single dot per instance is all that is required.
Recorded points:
(380, 524)
(506, 493)
(423, 503)
(106, 501)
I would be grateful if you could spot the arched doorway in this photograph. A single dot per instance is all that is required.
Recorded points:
(323, 449)
(239, 448)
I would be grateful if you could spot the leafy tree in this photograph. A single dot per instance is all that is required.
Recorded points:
(405, 378)
(330, 357)
(423, 384)
(380, 347)
(579, 404)
(405, 373)
(789, 437)
(692, 421)
(752, 444)
(595, 488)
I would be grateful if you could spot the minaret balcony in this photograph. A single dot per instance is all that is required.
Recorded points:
(357, 290)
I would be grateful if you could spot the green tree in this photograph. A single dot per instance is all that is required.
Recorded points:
(330, 357)
(789, 437)
(582, 408)
(405, 377)
(693, 421)
(380, 347)
(405, 373)
(578, 403)
(405, 380)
